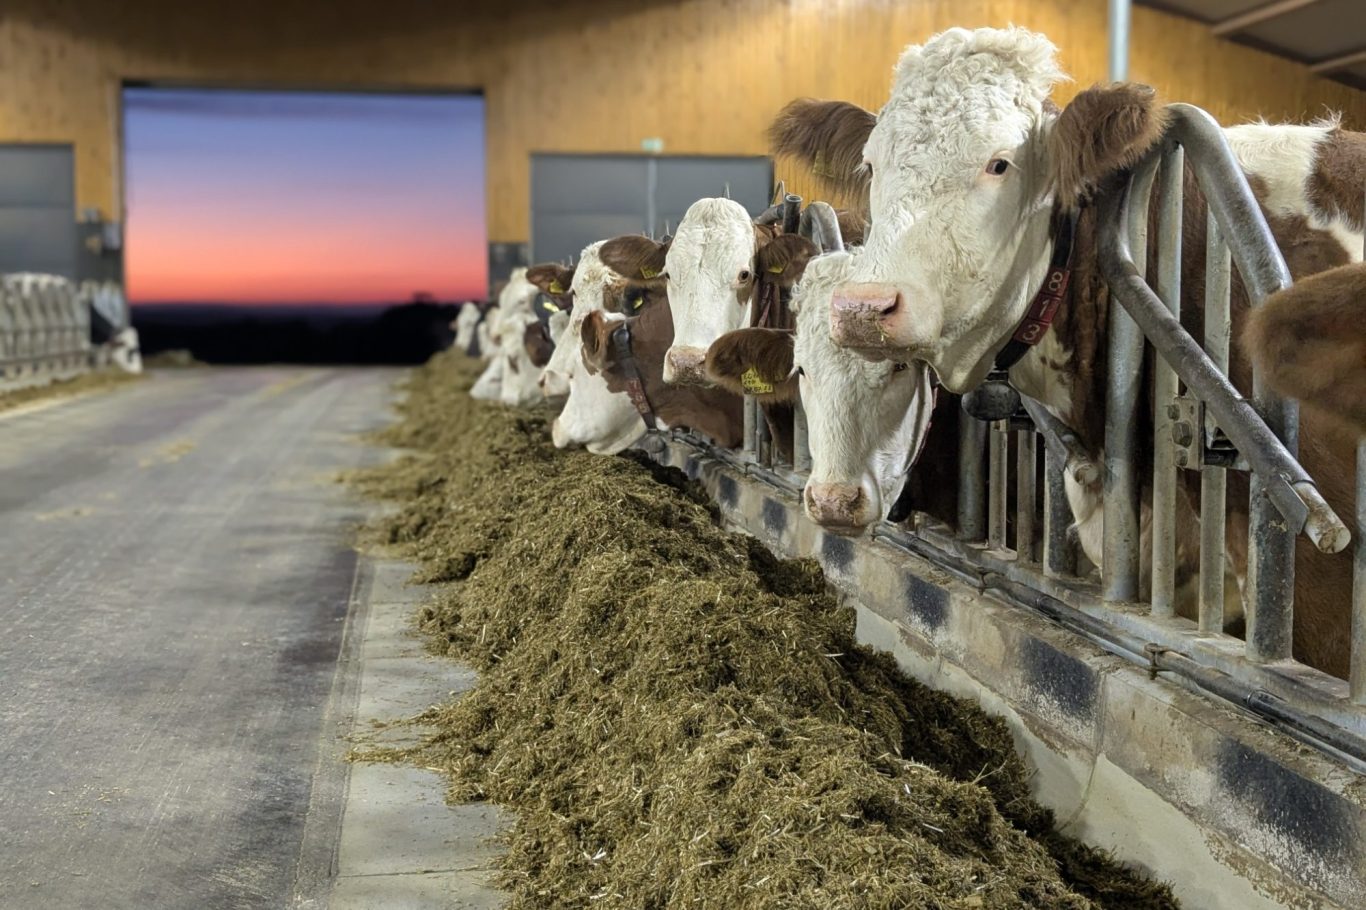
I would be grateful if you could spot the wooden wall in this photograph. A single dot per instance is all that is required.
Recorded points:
(576, 75)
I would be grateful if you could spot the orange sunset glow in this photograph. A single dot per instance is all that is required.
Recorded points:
(259, 198)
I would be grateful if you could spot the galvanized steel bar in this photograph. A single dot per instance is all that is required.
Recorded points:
(971, 479)
(1169, 213)
(1119, 554)
(792, 212)
(1119, 40)
(749, 434)
(998, 466)
(1357, 675)
(819, 224)
(1358, 659)
(1059, 556)
(1213, 479)
(801, 449)
(763, 443)
(1026, 502)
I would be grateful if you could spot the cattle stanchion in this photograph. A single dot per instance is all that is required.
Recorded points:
(801, 449)
(750, 431)
(1169, 212)
(1026, 502)
(1120, 556)
(997, 465)
(792, 213)
(1213, 478)
(1358, 659)
(971, 481)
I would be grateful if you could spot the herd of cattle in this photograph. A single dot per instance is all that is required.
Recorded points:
(971, 248)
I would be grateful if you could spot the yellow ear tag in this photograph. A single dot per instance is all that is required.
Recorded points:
(776, 269)
(637, 303)
(550, 307)
(647, 272)
(754, 383)
(556, 287)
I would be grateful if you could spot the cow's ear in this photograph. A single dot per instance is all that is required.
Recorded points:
(754, 362)
(632, 298)
(853, 226)
(635, 257)
(783, 259)
(1104, 131)
(828, 137)
(554, 280)
(594, 334)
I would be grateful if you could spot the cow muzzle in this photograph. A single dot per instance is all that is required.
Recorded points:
(684, 366)
(559, 436)
(860, 313)
(839, 507)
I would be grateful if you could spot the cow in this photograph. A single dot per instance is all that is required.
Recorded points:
(509, 376)
(723, 272)
(465, 325)
(972, 178)
(1308, 343)
(629, 352)
(858, 467)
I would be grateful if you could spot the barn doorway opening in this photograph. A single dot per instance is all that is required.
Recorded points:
(301, 226)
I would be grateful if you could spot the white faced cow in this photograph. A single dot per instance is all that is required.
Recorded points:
(858, 466)
(972, 173)
(510, 377)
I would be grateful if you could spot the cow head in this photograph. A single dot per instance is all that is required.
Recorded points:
(594, 416)
(464, 326)
(710, 269)
(968, 162)
(584, 291)
(556, 282)
(865, 420)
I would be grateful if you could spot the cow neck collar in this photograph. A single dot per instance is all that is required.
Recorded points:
(635, 384)
(1047, 300)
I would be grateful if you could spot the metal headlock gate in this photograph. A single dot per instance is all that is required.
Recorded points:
(46, 327)
(1209, 427)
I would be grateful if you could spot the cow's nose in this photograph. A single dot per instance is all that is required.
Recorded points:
(857, 312)
(839, 507)
(683, 366)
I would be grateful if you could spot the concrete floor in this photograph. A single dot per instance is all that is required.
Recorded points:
(175, 579)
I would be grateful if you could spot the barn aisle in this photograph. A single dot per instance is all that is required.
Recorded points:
(175, 572)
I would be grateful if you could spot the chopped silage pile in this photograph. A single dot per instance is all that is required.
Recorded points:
(680, 719)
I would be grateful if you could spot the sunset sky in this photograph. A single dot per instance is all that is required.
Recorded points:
(290, 197)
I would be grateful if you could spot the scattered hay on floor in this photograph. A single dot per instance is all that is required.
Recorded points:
(99, 381)
(172, 359)
(678, 718)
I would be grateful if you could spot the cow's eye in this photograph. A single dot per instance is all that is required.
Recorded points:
(744, 275)
(997, 167)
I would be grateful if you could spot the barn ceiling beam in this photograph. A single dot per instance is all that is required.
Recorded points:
(1258, 15)
(1342, 61)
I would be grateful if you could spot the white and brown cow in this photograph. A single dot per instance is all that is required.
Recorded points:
(510, 376)
(858, 467)
(969, 168)
(465, 325)
(723, 271)
(1309, 342)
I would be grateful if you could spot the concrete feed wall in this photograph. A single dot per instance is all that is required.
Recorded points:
(580, 75)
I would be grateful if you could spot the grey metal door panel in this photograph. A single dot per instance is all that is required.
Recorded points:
(683, 181)
(559, 237)
(579, 199)
(587, 184)
(37, 209)
(34, 239)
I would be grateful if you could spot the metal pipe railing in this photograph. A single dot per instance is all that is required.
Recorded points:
(1213, 478)
(1120, 556)
(1357, 672)
(997, 483)
(1026, 502)
(820, 225)
(971, 479)
(1169, 221)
